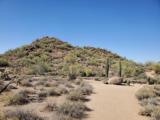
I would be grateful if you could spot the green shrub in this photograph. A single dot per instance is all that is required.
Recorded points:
(4, 63)
(39, 69)
(73, 72)
(70, 58)
(156, 68)
(87, 72)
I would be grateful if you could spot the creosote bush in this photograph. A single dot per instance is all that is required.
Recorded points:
(51, 106)
(147, 110)
(145, 93)
(149, 100)
(21, 114)
(72, 109)
(4, 63)
(76, 95)
(156, 114)
(40, 69)
(20, 98)
(53, 92)
(85, 88)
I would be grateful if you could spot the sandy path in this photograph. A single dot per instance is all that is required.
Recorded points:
(114, 103)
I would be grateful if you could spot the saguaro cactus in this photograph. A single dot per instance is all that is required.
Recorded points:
(120, 69)
(107, 67)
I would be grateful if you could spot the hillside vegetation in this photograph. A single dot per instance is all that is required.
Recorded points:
(51, 56)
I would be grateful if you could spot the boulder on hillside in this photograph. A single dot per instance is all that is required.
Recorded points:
(115, 80)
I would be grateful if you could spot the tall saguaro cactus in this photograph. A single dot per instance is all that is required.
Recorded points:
(107, 67)
(120, 69)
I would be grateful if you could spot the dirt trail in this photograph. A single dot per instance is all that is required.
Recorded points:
(111, 102)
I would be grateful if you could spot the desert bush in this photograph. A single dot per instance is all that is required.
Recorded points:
(51, 106)
(53, 92)
(156, 114)
(72, 109)
(87, 72)
(21, 114)
(39, 69)
(145, 93)
(62, 89)
(93, 61)
(76, 95)
(1, 84)
(70, 58)
(4, 62)
(85, 88)
(39, 83)
(2, 116)
(73, 72)
(42, 94)
(26, 83)
(130, 69)
(78, 81)
(20, 98)
(63, 117)
(147, 110)
(97, 79)
(156, 68)
(157, 89)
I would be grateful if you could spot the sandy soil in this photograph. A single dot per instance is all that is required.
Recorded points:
(111, 102)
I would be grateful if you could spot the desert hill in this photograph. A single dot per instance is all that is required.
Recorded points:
(49, 55)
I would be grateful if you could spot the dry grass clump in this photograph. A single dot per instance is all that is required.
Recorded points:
(145, 93)
(147, 110)
(20, 114)
(72, 109)
(62, 89)
(156, 114)
(20, 98)
(149, 97)
(85, 88)
(76, 95)
(63, 117)
(42, 94)
(51, 106)
(78, 81)
(2, 116)
(53, 92)
(150, 101)
(40, 83)
(26, 83)
(1, 84)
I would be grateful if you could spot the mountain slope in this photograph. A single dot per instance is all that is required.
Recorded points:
(53, 56)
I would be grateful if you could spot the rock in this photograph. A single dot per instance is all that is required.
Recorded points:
(115, 80)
